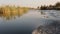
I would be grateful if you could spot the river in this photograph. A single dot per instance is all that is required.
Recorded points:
(26, 23)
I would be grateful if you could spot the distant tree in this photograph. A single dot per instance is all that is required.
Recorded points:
(38, 7)
(43, 7)
(57, 4)
(50, 6)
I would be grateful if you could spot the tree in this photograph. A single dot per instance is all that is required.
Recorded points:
(57, 4)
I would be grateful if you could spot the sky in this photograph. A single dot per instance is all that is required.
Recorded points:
(28, 3)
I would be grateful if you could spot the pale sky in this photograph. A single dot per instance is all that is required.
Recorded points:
(28, 3)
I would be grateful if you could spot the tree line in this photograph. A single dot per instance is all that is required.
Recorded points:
(50, 7)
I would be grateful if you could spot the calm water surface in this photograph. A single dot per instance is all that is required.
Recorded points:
(26, 23)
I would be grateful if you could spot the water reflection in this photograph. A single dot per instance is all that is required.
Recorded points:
(52, 14)
(11, 14)
(27, 22)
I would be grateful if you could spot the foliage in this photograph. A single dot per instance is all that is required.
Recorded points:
(51, 7)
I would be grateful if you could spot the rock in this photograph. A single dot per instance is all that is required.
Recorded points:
(51, 28)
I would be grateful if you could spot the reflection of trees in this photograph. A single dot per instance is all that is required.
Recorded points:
(1, 11)
(10, 12)
(18, 9)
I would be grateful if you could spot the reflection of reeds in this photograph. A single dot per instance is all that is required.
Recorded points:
(9, 11)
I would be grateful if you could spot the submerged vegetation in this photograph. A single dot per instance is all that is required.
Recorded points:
(11, 11)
